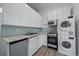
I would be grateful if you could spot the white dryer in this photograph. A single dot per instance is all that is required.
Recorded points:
(67, 45)
(66, 36)
(66, 27)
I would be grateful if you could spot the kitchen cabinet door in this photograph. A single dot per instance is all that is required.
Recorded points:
(30, 17)
(12, 13)
(21, 14)
(35, 19)
(1, 13)
(59, 13)
(33, 45)
(26, 16)
(39, 21)
(42, 40)
(1, 18)
(66, 12)
(45, 20)
(52, 15)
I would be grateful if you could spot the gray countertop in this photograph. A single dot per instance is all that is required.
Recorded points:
(17, 37)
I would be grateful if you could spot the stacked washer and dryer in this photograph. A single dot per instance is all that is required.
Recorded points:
(66, 36)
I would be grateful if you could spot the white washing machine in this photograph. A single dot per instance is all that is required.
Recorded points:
(67, 45)
(66, 27)
(66, 36)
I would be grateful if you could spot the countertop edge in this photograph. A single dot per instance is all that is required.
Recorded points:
(18, 37)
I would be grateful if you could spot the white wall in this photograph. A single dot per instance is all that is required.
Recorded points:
(76, 13)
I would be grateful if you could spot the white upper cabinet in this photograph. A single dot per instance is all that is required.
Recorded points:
(66, 11)
(1, 15)
(21, 14)
(52, 15)
(35, 19)
(59, 13)
(55, 14)
(45, 20)
(12, 13)
(1, 18)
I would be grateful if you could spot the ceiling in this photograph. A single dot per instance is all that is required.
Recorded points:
(45, 7)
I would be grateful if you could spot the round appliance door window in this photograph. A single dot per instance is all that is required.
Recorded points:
(65, 24)
(66, 44)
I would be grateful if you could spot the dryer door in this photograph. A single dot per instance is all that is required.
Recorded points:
(66, 45)
(64, 24)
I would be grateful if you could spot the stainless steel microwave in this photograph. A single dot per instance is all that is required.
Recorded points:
(51, 23)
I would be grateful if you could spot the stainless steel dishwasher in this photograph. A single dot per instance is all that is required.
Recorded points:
(19, 48)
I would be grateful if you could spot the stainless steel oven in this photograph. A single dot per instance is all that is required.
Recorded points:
(52, 40)
(52, 34)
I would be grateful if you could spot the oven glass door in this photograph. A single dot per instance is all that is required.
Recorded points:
(52, 40)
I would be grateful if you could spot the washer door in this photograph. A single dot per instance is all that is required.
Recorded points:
(66, 45)
(65, 24)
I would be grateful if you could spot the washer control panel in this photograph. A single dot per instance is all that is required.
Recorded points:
(72, 38)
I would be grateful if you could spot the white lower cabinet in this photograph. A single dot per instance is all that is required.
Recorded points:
(43, 39)
(36, 42)
(33, 45)
(40, 40)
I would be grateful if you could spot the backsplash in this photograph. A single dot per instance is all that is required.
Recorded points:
(8, 30)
